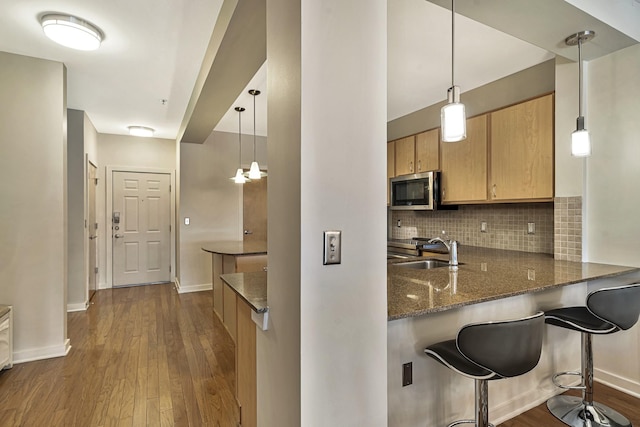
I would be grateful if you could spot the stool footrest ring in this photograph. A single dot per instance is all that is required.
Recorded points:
(567, 387)
(455, 423)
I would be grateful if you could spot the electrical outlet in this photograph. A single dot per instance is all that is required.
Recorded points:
(483, 227)
(399, 223)
(531, 228)
(407, 374)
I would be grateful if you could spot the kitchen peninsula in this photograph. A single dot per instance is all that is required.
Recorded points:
(232, 257)
(426, 306)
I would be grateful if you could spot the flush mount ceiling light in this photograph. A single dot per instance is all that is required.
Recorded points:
(141, 131)
(452, 115)
(580, 141)
(239, 177)
(71, 31)
(254, 171)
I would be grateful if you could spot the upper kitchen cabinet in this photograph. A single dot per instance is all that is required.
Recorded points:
(427, 151)
(522, 151)
(391, 164)
(405, 155)
(464, 165)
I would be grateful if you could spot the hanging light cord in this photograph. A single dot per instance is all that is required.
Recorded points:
(254, 127)
(579, 76)
(239, 137)
(452, 39)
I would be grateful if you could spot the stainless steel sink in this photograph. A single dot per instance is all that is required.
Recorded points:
(425, 264)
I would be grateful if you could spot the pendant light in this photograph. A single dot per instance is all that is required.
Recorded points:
(239, 178)
(580, 141)
(254, 171)
(452, 115)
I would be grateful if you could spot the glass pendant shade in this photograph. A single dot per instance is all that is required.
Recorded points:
(254, 171)
(239, 178)
(453, 118)
(580, 143)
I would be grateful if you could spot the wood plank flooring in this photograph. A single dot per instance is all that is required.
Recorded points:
(148, 356)
(627, 405)
(140, 356)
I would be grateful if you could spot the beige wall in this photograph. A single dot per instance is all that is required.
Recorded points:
(132, 153)
(325, 350)
(517, 87)
(33, 214)
(211, 200)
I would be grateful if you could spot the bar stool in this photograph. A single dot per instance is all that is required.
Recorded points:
(607, 311)
(489, 351)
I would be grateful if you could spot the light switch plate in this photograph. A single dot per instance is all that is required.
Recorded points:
(186, 220)
(332, 247)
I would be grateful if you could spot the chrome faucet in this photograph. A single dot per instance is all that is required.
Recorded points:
(451, 245)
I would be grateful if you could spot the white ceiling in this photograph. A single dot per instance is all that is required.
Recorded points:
(153, 50)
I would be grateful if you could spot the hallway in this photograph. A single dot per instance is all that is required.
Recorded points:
(140, 356)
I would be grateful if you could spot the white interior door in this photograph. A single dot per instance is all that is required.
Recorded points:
(92, 226)
(140, 223)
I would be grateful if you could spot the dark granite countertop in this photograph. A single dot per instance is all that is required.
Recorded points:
(4, 309)
(236, 247)
(251, 287)
(484, 275)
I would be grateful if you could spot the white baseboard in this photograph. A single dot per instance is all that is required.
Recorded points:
(42, 353)
(619, 383)
(193, 288)
(79, 306)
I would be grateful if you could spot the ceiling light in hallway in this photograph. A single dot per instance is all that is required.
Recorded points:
(71, 31)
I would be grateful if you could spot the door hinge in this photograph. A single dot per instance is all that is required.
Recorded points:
(96, 270)
(95, 225)
(169, 227)
(169, 188)
(85, 223)
(169, 269)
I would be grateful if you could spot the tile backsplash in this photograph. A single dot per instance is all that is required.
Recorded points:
(568, 228)
(506, 225)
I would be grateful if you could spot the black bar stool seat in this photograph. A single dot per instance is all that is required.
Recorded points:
(607, 311)
(491, 350)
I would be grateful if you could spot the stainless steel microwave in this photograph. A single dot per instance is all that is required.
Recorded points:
(419, 191)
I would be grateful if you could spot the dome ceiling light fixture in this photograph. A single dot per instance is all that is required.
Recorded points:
(141, 131)
(71, 31)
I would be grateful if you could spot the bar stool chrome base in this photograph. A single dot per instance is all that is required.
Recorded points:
(575, 412)
(457, 423)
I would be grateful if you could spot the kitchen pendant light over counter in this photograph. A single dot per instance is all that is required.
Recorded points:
(71, 31)
(239, 178)
(452, 116)
(254, 170)
(580, 140)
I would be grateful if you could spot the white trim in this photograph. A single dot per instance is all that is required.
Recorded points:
(193, 288)
(624, 385)
(42, 353)
(109, 196)
(79, 306)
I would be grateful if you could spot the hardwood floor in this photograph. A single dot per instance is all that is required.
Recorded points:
(627, 405)
(148, 356)
(140, 356)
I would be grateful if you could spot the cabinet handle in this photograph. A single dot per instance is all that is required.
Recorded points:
(494, 191)
(419, 165)
(410, 166)
(444, 194)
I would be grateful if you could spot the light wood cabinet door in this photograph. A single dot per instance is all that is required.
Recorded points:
(246, 370)
(427, 151)
(405, 155)
(464, 165)
(391, 164)
(522, 151)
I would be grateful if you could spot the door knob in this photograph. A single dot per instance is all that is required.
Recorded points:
(248, 232)
(118, 236)
(93, 237)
